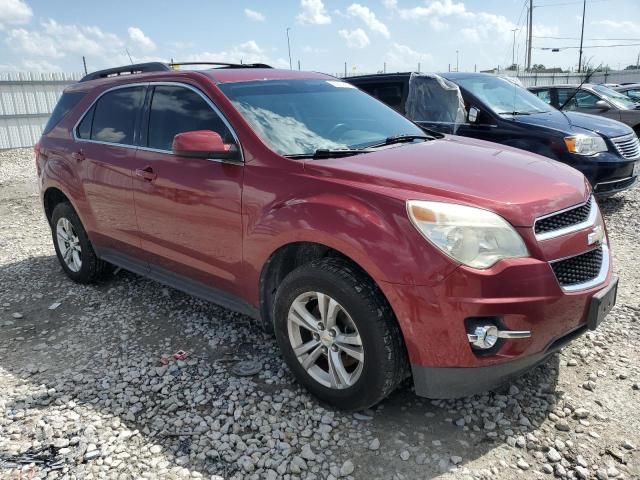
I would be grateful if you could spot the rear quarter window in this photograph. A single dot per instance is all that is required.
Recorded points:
(65, 105)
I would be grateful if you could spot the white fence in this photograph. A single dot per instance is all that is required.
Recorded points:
(26, 101)
(611, 76)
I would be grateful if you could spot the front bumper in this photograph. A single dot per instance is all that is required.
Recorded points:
(521, 294)
(607, 172)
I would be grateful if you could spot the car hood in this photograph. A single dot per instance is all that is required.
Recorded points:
(518, 185)
(575, 122)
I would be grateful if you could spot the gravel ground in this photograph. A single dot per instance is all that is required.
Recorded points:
(89, 387)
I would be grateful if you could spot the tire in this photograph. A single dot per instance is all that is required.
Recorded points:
(362, 314)
(90, 267)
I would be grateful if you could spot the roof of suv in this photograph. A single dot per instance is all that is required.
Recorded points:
(216, 75)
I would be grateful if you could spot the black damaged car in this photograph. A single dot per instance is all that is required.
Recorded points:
(496, 109)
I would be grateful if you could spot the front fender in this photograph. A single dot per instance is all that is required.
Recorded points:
(371, 229)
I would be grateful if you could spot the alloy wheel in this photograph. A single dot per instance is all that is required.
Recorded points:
(69, 245)
(325, 340)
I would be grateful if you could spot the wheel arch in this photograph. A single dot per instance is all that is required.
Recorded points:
(51, 198)
(287, 258)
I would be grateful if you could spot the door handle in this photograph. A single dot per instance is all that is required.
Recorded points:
(78, 156)
(146, 173)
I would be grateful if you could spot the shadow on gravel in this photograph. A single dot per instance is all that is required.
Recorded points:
(613, 204)
(87, 377)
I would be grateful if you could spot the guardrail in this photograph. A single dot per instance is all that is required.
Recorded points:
(26, 101)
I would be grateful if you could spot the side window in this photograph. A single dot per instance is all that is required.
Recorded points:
(387, 92)
(84, 128)
(563, 95)
(633, 94)
(176, 110)
(543, 95)
(114, 116)
(391, 94)
(65, 104)
(586, 99)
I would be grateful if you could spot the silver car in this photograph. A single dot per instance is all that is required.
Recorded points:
(593, 99)
(631, 90)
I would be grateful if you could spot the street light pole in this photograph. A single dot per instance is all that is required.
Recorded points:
(513, 48)
(584, 7)
(289, 48)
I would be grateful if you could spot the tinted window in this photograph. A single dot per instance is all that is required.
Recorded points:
(115, 113)
(65, 104)
(176, 110)
(84, 129)
(389, 93)
(543, 95)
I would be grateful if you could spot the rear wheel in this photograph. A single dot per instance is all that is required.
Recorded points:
(338, 335)
(73, 248)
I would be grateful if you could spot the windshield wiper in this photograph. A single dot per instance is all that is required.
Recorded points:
(401, 139)
(330, 153)
(514, 113)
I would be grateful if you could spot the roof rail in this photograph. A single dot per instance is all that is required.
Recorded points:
(223, 64)
(127, 70)
(162, 67)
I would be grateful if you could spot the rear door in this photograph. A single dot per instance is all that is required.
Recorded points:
(105, 153)
(188, 209)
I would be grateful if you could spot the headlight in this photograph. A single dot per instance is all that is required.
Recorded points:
(472, 236)
(585, 144)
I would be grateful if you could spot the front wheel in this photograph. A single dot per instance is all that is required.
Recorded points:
(338, 334)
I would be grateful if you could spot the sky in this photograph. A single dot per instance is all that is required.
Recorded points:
(399, 35)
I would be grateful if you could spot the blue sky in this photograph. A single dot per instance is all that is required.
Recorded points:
(53, 35)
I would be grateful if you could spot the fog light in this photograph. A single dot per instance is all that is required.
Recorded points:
(485, 337)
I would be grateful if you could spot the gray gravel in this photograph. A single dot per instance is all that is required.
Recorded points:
(89, 372)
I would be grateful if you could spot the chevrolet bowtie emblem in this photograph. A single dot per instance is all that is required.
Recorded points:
(596, 235)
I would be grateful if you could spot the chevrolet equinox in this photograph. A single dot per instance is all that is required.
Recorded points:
(374, 250)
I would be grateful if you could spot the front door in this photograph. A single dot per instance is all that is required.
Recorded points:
(188, 209)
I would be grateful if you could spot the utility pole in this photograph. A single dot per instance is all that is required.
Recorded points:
(584, 7)
(289, 48)
(298, 64)
(84, 63)
(530, 32)
(513, 48)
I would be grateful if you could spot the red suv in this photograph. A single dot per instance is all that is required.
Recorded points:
(373, 249)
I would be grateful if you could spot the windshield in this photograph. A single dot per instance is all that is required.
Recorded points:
(618, 99)
(503, 96)
(299, 117)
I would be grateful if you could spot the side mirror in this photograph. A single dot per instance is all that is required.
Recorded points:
(473, 115)
(203, 144)
(602, 105)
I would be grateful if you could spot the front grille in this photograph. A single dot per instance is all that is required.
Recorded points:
(615, 185)
(579, 269)
(564, 219)
(628, 146)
